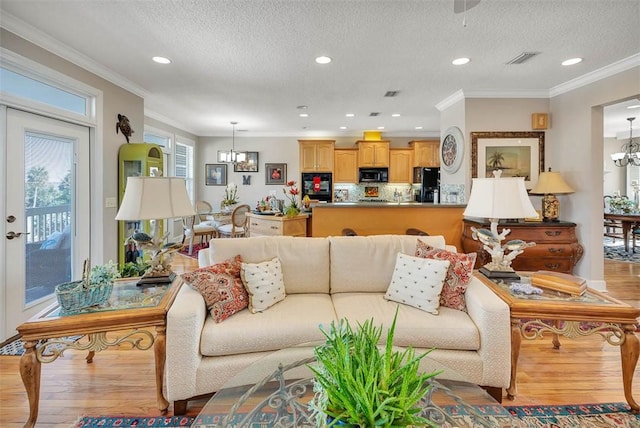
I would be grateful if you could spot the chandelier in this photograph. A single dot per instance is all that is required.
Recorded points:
(232, 156)
(630, 154)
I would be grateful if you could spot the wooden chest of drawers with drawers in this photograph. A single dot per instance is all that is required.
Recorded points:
(557, 247)
(263, 225)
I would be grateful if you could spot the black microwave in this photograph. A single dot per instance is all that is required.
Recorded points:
(374, 175)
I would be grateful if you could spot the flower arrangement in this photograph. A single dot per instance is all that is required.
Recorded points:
(618, 203)
(291, 192)
(230, 195)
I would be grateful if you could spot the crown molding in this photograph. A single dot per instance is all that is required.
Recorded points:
(450, 100)
(43, 40)
(594, 76)
(167, 121)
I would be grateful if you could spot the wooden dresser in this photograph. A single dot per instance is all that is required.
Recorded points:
(268, 225)
(557, 248)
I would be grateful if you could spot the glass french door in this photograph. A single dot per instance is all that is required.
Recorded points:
(47, 213)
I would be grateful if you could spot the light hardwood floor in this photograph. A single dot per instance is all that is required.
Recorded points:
(119, 382)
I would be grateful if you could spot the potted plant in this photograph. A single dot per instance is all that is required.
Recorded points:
(230, 197)
(361, 384)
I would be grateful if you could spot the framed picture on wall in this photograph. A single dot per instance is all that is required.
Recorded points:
(249, 165)
(517, 154)
(275, 173)
(215, 174)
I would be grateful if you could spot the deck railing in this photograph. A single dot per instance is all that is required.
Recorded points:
(42, 222)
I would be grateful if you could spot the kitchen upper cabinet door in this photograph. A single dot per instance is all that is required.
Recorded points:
(345, 166)
(316, 156)
(400, 165)
(373, 154)
(426, 153)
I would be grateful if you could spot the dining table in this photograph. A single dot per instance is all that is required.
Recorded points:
(629, 221)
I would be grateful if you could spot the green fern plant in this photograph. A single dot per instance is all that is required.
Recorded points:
(360, 384)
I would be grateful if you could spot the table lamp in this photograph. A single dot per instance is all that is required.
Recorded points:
(155, 198)
(549, 184)
(495, 199)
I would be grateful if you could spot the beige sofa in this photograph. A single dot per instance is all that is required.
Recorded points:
(327, 279)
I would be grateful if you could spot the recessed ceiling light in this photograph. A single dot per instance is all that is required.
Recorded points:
(460, 61)
(380, 127)
(395, 115)
(634, 106)
(161, 60)
(350, 115)
(571, 61)
(418, 127)
(343, 127)
(304, 115)
(323, 60)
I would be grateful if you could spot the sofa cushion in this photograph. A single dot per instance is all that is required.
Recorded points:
(293, 321)
(451, 329)
(458, 277)
(221, 287)
(305, 261)
(417, 282)
(365, 263)
(264, 284)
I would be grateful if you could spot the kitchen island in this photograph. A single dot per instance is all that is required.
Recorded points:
(381, 218)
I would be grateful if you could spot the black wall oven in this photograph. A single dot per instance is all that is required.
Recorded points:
(317, 185)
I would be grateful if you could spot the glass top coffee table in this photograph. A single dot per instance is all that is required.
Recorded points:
(270, 393)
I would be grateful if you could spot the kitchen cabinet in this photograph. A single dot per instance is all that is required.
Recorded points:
(426, 153)
(557, 247)
(373, 154)
(400, 165)
(316, 155)
(264, 225)
(345, 166)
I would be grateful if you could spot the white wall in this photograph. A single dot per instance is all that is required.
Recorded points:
(614, 177)
(577, 151)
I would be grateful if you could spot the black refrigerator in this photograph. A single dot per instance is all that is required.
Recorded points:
(429, 180)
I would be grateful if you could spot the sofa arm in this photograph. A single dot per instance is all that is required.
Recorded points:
(491, 315)
(185, 321)
(203, 257)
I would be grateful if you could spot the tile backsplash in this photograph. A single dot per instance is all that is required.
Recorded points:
(449, 193)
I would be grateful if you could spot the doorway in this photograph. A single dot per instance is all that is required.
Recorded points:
(47, 210)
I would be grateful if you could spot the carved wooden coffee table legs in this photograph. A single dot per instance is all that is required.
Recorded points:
(30, 372)
(629, 350)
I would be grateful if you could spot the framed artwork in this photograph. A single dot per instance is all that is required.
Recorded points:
(341, 195)
(249, 165)
(451, 150)
(215, 174)
(517, 154)
(275, 173)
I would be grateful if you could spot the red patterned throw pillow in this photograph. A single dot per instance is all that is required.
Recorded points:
(458, 277)
(221, 287)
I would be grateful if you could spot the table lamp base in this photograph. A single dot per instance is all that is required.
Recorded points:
(499, 274)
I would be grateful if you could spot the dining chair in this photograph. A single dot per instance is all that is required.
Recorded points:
(191, 229)
(239, 223)
(612, 228)
(204, 210)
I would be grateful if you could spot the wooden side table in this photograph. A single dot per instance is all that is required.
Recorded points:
(557, 247)
(130, 307)
(562, 314)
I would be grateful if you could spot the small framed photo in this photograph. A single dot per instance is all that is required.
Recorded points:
(215, 174)
(341, 195)
(248, 165)
(275, 173)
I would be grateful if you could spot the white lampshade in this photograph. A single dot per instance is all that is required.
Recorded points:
(499, 198)
(150, 198)
(551, 183)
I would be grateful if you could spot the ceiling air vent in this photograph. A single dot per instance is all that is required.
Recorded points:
(391, 93)
(524, 56)
(374, 113)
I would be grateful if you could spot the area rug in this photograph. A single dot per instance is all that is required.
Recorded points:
(15, 347)
(606, 415)
(614, 250)
(194, 250)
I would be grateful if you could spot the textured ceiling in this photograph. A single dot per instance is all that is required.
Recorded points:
(253, 61)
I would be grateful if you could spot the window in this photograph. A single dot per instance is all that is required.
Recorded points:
(184, 166)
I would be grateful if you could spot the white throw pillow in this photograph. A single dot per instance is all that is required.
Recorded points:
(417, 282)
(264, 284)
